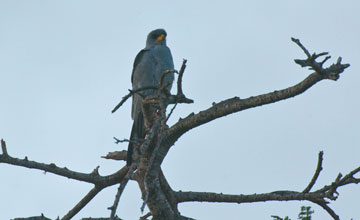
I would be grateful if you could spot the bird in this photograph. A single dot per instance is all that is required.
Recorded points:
(149, 65)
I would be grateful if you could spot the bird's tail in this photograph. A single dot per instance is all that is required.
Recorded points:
(137, 133)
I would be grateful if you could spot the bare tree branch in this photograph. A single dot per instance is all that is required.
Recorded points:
(117, 198)
(318, 197)
(171, 111)
(120, 190)
(145, 216)
(183, 196)
(65, 172)
(332, 72)
(83, 202)
(236, 104)
(132, 92)
(316, 174)
(341, 181)
(117, 141)
(116, 155)
(179, 82)
(41, 217)
(3, 147)
(315, 197)
(51, 168)
(328, 209)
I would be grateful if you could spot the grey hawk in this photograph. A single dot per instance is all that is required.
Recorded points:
(148, 67)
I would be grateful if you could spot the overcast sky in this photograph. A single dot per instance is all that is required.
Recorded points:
(65, 64)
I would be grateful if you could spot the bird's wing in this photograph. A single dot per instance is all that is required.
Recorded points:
(137, 61)
(141, 77)
(148, 67)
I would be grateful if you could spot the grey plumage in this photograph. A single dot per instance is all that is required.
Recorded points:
(148, 67)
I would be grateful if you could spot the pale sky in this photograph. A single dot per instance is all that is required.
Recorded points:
(65, 64)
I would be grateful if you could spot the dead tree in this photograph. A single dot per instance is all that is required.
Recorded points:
(150, 152)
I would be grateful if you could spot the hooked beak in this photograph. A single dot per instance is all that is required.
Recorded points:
(160, 38)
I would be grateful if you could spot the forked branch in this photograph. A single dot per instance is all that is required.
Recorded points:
(316, 174)
(319, 197)
(236, 104)
(331, 72)
(100, 182)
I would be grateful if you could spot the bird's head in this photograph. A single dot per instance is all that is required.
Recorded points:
(156, 37)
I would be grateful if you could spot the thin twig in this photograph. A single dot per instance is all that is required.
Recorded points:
(347, 179)
(164, 90)
(3, 147)
(316, 174)
(117, 199)
(65, 172)
(142, 208)
(328, 209)
(117, 141)
(132, 92)
(297, 41)
(52, 168)
(162, 77)
(116, 155)
(120, 190)
(171, 111)
(83, 202)
(332, 193)
(145, 216)
(179, 82)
